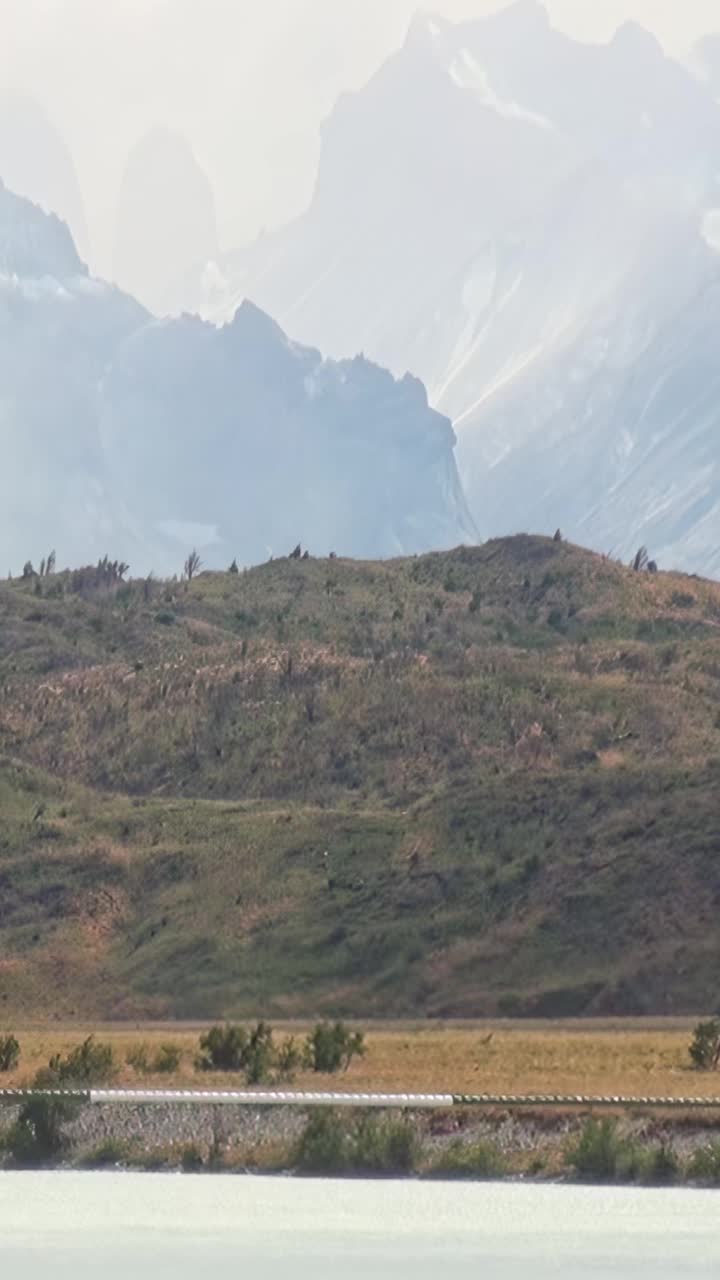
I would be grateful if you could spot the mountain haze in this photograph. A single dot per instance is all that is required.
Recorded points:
(529, 223)
(144, 437)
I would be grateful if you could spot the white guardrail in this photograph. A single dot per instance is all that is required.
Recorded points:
(383, 1101)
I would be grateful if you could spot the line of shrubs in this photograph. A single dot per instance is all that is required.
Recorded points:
(37, 1136)
(329, 1048)
(369, 1144)
(255, 1054)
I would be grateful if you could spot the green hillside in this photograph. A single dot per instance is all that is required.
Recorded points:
(478, 782)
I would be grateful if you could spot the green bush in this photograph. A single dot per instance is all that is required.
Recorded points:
(329, 1049)
(338, 1143)
(705, 1046)
(9, 1053)
(477, 1160)
(657, 1167)
(191, 1160)
(384, 1145)
(259, 1057)
(288, 1059)
(223, 1049)
(705, 1165)
(139, 1059)
(232, 1048)
(90, 1063)
(600, 1154)
(109, 1153)
(37, 1136)
(325, 1145)
(167, 1060)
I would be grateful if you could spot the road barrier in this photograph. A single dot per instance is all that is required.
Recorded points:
(383, 1101)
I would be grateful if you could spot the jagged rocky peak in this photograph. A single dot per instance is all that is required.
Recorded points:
(426, 28)
(637, 40)
(35, 244)
(167, 219)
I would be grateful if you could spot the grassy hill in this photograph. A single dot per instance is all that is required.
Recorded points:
(462, 784)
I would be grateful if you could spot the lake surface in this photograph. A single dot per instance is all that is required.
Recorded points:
(58, 1225)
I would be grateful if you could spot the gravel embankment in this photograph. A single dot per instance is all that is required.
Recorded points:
(151, 1128)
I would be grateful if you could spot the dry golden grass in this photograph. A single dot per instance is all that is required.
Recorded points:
(560, 1059)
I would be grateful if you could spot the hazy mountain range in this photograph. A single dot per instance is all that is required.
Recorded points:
(144, 437)
(529, 224)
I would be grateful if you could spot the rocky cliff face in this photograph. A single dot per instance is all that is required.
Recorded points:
(144, 437)
(526, 222)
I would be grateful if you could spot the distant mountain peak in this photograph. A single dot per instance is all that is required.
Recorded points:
(426, 28)
(638, 41)
(34, 244)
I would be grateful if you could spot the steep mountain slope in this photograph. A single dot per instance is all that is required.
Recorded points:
(144, 437)
(524, 221)
(477, 782)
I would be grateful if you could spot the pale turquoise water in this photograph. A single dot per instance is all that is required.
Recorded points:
(123, 1225)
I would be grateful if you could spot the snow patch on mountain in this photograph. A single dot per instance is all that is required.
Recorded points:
(466, 73)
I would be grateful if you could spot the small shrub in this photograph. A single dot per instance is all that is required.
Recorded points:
(705, 1165)
(657, 1167)
(288, 1059)
(231, 1048)
(259, 1057)
(191, 1160)
(705, 1045)
(223, 1049)
(329, 1049)
(342, 1143)
(37, 1136)
(384, 1145)
(479, 1160)
(600, 1154)
(324, 1146)
(139, 1059)
(167, 1060)
(92, 1062)
(109, 1153)
(9, 1053)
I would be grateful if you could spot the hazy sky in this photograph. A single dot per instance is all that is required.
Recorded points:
(247, 81)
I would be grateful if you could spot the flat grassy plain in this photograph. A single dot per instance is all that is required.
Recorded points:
(632, 1058)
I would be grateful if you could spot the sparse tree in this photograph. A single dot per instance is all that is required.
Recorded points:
(705, 1045)
(234, 567)
(641, 561)
(193, 565)
(329, 1049)
(9, 1053)
(28, 570)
